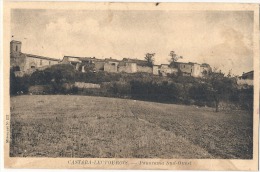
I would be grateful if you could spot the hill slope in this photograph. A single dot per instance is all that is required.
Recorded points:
(84, 126)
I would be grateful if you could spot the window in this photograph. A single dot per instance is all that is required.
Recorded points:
(40, 62)
(49, 62)
(16, 48)
(183, 66)
(190, 70)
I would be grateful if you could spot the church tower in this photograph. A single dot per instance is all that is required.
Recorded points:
(15, 48)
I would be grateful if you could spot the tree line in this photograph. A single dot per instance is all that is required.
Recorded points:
(210, 91)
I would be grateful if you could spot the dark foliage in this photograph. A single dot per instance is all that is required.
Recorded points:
(210, 91)
(18, 85)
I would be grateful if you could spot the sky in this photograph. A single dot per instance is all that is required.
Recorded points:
(223, 39)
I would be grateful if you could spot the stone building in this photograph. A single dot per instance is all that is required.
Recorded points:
(141, 65)
(205, 69)
(75, 61)
(247, 75)
(71, 59)
(127, 67)
(111, 65)
(22, 62)
(83, 64)
(165, 69)
(188, 69)
(156, 69)
(246, 78)
(99, 64)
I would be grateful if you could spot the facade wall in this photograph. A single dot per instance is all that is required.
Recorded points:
(145, 69)
(165, 70)
(22, 62)
(70, 60)
(25, 63)
(99, 65)
(128, 68)
(190, 69)
(32, 62)
(18, 62)
(110, 67)
(196, 70)
(156, 70)
(185, 68)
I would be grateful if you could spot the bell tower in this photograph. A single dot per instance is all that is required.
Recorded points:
(15, 48)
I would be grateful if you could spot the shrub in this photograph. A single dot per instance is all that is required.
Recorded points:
(58, 76)
(18, 84)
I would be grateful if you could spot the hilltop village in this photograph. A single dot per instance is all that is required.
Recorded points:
(126, 78)
(27, 63)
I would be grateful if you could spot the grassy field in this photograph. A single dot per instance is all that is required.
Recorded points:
(83, 126)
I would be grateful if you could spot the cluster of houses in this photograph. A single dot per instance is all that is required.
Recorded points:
(130, 65)
(22, 62)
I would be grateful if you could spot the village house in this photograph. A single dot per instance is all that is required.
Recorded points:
(183, 69)
(155, 69)
(188, 69)
(111, 65)
(246, 78)
(99, 64)
(165, 69)
(141, 65)
(205, 69)
(22, 62)
(75, 61)
(83, 63)
(247, 75)
(127, 67)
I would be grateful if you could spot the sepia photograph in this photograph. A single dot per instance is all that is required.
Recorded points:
(149, 83)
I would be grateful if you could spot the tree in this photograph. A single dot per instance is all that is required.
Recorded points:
(13, 82)
(174, 57)
(220, 87)
(229, 75)
(149, 57)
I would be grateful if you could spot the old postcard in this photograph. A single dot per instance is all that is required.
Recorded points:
(131, 85)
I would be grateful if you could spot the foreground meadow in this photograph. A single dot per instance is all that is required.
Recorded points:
(84, 126)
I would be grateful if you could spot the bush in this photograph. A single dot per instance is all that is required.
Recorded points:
(98, 77)
(246, 98)
(60, 77)
(18, 84)
(201, 94)
(121, 89)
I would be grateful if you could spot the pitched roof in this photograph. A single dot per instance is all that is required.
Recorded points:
(73, 57)
(248, 73)
(137, 61)
(189, 63)
(112, 60)
(41, 57)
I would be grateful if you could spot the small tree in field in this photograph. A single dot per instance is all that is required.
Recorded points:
(219, 87)
(149, 57)
(174, 57)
